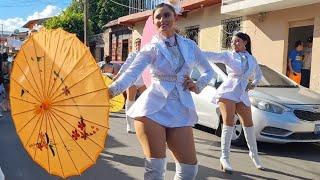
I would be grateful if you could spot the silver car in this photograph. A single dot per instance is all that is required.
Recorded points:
(282, 111)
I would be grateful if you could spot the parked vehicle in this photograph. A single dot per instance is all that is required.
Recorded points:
(282, 111)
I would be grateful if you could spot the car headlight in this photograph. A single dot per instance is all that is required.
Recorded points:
(269, 106)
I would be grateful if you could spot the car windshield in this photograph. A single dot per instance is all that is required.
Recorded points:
(273, 79)
(270, 78)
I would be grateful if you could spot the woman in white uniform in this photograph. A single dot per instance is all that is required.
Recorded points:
(165, 113)
(244, 74)
(138, 85)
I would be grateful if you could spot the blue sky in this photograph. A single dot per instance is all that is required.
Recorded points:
(15, 13)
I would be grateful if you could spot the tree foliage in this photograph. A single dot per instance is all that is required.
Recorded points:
(100, 13)
(105, 12)
(70, 20)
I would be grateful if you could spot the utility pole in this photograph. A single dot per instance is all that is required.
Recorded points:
(1, 30)
(1, 39)
(85, 21)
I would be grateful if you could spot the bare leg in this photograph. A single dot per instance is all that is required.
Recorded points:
(141, 89)
(181, 143)
(152, 137)
(244, 113)
(131, 93)
(228, 110)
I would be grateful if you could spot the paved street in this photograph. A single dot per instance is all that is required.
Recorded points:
(123, 159)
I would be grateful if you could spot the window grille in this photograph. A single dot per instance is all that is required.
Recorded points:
(229, 27)
(192, 33)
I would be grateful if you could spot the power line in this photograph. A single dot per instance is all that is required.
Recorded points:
(123, 5)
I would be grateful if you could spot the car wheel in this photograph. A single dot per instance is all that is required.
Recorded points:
(238, 138)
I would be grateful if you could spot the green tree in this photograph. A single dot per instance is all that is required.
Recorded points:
(70, 20)
(106, 12)
(100, 13)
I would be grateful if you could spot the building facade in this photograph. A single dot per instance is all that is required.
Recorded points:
(118, 40)
(35, 24)
(273, 25)
(96, 44)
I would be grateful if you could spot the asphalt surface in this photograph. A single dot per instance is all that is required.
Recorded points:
(122, 158)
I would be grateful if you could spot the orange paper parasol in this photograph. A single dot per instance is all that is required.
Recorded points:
(60, 104)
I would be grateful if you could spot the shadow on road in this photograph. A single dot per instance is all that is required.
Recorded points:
(302, 151)
(103, 170)
(293, 150)
(16, 164)
(111, 142)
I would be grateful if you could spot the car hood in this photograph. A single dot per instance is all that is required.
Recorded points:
(288, 95)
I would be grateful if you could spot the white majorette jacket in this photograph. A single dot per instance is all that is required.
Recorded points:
(166, 78)
(241, 67)
(139, 82)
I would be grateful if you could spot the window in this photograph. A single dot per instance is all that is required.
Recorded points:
(229, 26)
(192, 33)
(125, 49)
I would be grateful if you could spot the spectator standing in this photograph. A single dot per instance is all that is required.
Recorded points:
(295, 62)
(306, 68)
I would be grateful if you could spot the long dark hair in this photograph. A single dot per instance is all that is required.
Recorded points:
(161, 5)
(245, 37)
(297, 43)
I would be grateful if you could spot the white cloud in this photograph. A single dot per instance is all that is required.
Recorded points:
(49, 11)
(17, 22)
(12, 23)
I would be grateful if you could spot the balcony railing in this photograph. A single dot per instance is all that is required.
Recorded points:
(143, 5)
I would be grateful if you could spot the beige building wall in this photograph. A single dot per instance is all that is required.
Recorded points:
(106, 40)
(208, 19)
(315, 70)
(270, 32)
(137, 31)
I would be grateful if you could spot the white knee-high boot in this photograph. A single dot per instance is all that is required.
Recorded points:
(155, 168)
(1, 175)
(226, 136)
(252, 145)
(130, 125)
(186, 171)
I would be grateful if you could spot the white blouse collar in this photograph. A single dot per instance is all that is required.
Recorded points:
(242, 52)
(171, 39)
